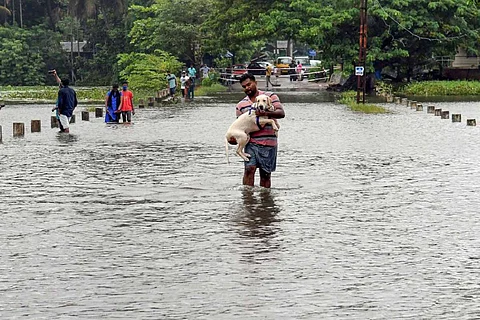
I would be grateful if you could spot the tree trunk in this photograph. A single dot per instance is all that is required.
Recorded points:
(21, 15)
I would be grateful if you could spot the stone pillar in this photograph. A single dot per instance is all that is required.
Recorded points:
(431, 109)
(445, 115)
(18, 129)
(36, 126)
(53, 122)
(471, 122)
(419, 107)
(85, 115)
(438, 112)
(98, 112)
(456, 117)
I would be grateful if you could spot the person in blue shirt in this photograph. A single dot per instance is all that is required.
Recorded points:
(67, 102)
(192, 73)
(112, 102)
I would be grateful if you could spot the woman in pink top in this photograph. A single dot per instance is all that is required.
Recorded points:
(299, 70)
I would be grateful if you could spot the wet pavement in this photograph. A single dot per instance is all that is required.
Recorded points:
(369, 216)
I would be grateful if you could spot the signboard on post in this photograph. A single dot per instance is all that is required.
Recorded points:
(282, 44)
(359, 71)
(312, 53)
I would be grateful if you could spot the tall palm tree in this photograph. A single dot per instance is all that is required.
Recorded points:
(89, 8)
(4, 13)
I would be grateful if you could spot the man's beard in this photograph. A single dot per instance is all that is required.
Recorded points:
(251, 93)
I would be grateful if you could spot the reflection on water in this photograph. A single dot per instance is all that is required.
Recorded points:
(369, 217)
(258, 213)
(66, 138)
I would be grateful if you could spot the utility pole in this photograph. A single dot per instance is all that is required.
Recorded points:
(362, 55)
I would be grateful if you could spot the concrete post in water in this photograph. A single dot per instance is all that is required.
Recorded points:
(438, 112)
(389, 98)
(456, 117)
(445, 115)
(405, 101)
(72, 119)
(419, 107)
(36, 126)
(98, 112)
(18, 129)
(1, 134)
(413, 104)
(397, 100)
(431, 109)
(85, 115)
(151, 101)
(53, 122)
(141, 104)
(471, 122)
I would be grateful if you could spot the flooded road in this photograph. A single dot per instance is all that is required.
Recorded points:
(369, 217)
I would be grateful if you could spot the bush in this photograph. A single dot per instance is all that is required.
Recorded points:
(147, 72)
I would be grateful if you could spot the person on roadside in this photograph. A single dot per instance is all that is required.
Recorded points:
(299, 71)
(262, 146)
(172, 84)
(292, 71)
(67, 102)
(57, 114)
(112, 104)
(183, 80)
(126, 104)
(268, 75)
(192, 73)
(204, 69)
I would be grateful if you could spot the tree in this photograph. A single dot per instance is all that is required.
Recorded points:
(173, 26)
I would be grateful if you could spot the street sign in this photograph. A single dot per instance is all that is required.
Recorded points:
(312, 53)
(359, 71)
(282, 44)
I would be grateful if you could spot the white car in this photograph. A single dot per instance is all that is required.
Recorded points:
(264, 64)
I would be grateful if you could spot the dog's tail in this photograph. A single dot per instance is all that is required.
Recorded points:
(226, 150)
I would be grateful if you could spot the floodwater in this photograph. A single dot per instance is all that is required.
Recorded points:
(369, 216)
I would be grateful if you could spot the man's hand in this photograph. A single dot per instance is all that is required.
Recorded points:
(133, 112)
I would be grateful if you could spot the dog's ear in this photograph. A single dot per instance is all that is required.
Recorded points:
(269, 102)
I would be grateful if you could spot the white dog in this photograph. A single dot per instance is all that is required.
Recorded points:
(239, 131)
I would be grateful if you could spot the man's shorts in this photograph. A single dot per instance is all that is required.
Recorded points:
(64, 121)
(172, 91)
(263, 157)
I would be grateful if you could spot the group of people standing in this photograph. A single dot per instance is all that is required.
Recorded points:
(187, 83)
(119, 104)
(295, 71)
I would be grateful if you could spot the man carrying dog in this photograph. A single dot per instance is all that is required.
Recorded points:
(263, 143)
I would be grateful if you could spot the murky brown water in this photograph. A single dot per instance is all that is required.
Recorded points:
(369, 217)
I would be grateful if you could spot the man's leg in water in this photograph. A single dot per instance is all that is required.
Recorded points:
(265, 180)
(249, 175)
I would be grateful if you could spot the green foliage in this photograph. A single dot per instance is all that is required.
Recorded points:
(25, 54)
(384, 88)
(147, 71)
(442, 88)
(349, 99)
(50, 93)
(207, 90)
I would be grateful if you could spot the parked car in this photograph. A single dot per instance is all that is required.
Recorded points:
(236, 70)
(283, 63)
(256, 68)
(264, 64)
